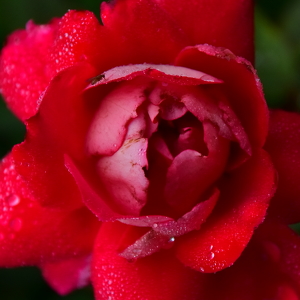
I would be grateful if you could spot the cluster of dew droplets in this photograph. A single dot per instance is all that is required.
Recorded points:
(75, 27)
(9, 203)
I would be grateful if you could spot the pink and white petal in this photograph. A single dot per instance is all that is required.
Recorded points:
(68, 275)
(241, 87)
(158, 277)
(245, 196)
(124, 177)
(24, 68)
(283, 144)
(31, 234)
(165, 73)
(150, 243)
(109, 127)
(155, 27)
(144, 221)
(227, 24)
(205, 108)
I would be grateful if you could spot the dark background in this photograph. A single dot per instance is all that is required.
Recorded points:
(277, 62)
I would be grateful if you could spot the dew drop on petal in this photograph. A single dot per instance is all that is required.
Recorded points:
(211, 255)
(13, 200)
(16, 224)
(202, 270)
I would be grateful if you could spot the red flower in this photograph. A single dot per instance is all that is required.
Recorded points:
(143, 164)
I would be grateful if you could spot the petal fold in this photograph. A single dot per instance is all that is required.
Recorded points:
(245, 196)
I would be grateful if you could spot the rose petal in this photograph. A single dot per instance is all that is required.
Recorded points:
(40, 159)
(226, 24)
(192, 220)
(241, 87)
(159, 277)
(109, 127)
(164, 231)
(24, 71)
(31, 234)
(124, 177)
(283, 144)
(67, 275)
(144, 221)
(80, 38)
(165, 73)
(191, 174)
(97, 200)
(155, 28)
(258, 276)
(245, 196)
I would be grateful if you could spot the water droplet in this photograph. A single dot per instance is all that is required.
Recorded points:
(211, 255)
(201, 269)
(211, 247)
(16, 224)
(13, 200)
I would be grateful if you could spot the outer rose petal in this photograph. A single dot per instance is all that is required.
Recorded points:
(242, 88)
(226, 23)
(31, 234)
(54, 131)
(156, 39)
(245, 195)
(258, 273)
(158, 277)
(68, 275)
(81, 38)
(24, 72)
(283, 144)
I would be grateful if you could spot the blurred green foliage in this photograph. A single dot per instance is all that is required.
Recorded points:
(277, 63)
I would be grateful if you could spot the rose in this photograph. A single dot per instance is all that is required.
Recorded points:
(110, 133)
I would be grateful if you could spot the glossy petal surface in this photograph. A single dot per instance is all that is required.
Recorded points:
(24, 68)
(241, 87)
(31, 234)
(158, 277)
(245, 195)
(227, 23)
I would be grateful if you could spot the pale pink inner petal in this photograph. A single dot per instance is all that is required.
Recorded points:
(123, 172)
(108, 129)
(168, 73)
(144, 221)
(148, 244)
(171, 110)
(153, 111)
(204, 108)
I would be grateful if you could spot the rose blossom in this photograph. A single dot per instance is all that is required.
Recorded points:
(145, 166)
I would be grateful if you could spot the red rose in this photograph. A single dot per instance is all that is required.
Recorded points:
(143, 165)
